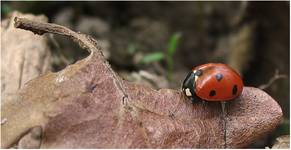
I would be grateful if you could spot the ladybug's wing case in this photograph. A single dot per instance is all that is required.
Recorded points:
(217, 83)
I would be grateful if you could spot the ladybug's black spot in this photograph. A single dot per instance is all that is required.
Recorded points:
(218, 76)
(199, 72)
(212, 93)
(234, 90)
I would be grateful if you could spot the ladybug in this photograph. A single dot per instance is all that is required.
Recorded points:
(213, 82)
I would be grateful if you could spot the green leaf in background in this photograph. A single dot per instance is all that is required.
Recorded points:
(172, 46)
(132, 48)
(152, 57)
(5, 9)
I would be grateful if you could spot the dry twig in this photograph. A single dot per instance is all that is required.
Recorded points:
(276, 77)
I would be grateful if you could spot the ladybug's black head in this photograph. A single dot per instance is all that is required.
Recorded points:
(188, 86)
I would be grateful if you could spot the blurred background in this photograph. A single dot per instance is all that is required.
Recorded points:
(158, 43)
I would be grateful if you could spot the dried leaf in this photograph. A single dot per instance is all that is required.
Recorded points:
(24, 56)
(87, 105)
(31, 140)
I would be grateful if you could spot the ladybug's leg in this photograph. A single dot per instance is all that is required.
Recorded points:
(194, 98)
(204, 103)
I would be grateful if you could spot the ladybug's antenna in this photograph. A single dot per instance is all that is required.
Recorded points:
(224, 113)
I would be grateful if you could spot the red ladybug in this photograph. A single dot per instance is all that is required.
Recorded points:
(213, 82)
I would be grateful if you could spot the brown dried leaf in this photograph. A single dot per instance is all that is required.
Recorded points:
(31, 140)
(87, 105)
(24, 56)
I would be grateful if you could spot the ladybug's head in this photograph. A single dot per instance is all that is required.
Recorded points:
(188, 86)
